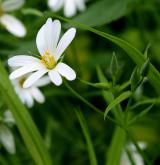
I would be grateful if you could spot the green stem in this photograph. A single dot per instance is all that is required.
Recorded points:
(90, 105)
(92, 155)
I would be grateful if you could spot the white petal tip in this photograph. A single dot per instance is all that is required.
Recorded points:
(49, 20)
(58, 84)
(73, 30)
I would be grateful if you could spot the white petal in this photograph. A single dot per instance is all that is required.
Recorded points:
(7, 139)
(69, 8)
(24, 70)
(80, 4)
(34, 77)
(48, 36)
(22, 60)
(13, 25)
(28, 99)
(55, 77)
(137, 158)
(10, 5)
(37, 95)
(42, 81)
(66, 71)
(21, 93)
(64, 42)
(8, 117)
(55, 5)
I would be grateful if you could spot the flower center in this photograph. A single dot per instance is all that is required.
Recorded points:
(21, 81)
(48, 60)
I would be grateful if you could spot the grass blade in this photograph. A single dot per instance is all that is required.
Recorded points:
(92, 155)
(116, 147)
(25, 124)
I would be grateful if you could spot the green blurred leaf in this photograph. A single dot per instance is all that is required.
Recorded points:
(103, 11)
(31, 11)
(116, 101)
(92, 155)
(25, 124)
(116, 147)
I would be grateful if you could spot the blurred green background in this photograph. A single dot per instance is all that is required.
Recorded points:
(136, 21)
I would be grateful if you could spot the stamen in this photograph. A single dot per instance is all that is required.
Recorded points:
(21, 81)
(48, 60)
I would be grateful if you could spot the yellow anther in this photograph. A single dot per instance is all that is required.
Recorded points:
(21, 81)
(48, 60)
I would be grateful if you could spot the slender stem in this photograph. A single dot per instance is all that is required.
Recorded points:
(90, 105)
(127, 109)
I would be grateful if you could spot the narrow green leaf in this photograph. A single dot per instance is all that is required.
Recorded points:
(104, 86)
(25, 124)
(141, 114)
(146, 101)
(116, 147)
(132, 52)
(123, 86)
(108, 96)
(31, 11)
(92, 155)
(116, 101)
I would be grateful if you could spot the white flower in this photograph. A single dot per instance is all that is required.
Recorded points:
(6, 136)
(12, 24)
(70, 6)
(28, 95)
(8, 118)
(136, 157)
(50, 50)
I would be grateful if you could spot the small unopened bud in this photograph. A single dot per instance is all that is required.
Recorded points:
(114, 67)
(135, 79)
(145, 68)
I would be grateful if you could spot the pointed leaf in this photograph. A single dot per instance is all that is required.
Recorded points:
(116, 101)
